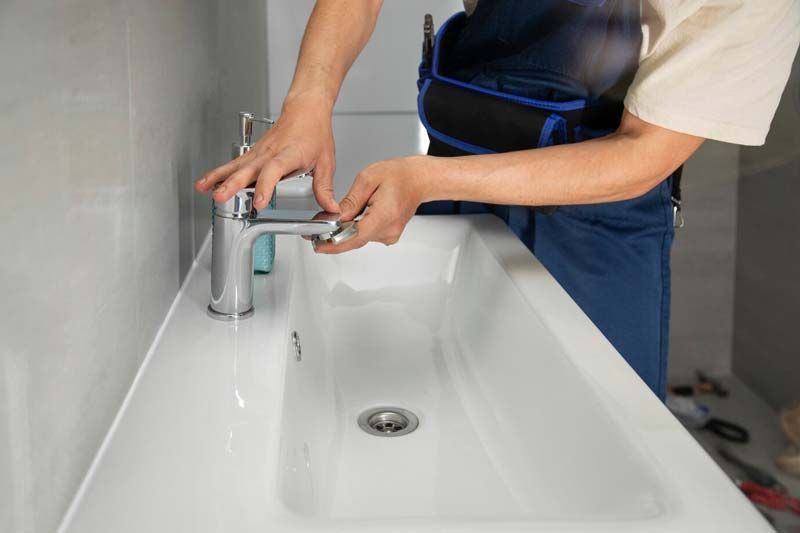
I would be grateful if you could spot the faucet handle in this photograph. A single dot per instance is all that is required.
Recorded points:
(240, 205)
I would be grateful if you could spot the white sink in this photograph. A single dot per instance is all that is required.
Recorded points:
(528, 418)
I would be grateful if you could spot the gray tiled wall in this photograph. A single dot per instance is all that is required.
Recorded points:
(767, 322)
(383, 78)
(701, 329)
(109, 111)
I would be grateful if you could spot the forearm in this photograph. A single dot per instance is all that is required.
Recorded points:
(336, 32)
(620, 166)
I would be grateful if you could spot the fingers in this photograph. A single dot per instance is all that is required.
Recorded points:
(323, 184)
(223, 172)
(218, 174)
(378, 225)
(364, 228)
(240, 179)
(271, 173)
(358, 196)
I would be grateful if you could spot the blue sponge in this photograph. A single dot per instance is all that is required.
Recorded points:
(264, 250)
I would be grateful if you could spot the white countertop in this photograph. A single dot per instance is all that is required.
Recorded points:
(195, 445)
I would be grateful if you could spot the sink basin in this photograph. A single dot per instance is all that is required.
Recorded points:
(528, 419)
(509, 429)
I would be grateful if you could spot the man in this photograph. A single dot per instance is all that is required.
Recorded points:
(588, 105)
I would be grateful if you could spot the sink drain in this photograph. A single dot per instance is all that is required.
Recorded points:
(388, 421)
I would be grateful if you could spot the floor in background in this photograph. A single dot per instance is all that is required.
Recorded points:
(767, 441)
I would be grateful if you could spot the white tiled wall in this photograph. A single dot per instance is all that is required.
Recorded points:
(109, 110)
(384, 76)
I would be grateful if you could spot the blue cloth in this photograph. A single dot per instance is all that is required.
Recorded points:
(613, 258)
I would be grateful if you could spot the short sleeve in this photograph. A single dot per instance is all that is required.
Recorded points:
(715, 69)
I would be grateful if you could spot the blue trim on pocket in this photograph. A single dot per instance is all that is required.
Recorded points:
(436, 134)
(533, 102)
(554, 123)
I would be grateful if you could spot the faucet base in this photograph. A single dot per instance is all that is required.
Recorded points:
(229, 317)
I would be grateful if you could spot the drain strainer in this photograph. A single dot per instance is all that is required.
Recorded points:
(388, 421)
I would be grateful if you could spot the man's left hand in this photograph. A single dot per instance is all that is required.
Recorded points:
(391, 191)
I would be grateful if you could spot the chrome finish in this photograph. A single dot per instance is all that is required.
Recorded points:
(388, 421)
(228, 317)
(347, 231)
(246, 126)
(298, 350)
(677, 214)
(236, 226)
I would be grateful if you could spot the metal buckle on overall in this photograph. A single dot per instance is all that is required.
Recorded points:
(677, 214)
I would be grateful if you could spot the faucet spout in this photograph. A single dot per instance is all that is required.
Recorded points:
(235, 228)
(292, 222)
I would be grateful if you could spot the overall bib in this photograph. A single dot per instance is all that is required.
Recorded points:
(518, 75)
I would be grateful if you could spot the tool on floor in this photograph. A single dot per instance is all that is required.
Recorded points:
(695, 415)
(751, 472)
(789, 460)
(768, 497)
(714, 384)
(705, 385)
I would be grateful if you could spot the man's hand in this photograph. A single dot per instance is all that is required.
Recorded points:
(301, 139)
(391, 190)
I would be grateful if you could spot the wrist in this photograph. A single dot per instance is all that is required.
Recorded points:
(317, 99)
(430, 179)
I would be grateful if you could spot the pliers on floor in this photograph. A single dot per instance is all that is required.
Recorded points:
(768, 497)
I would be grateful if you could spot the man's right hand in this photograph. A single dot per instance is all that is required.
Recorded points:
(301, 139)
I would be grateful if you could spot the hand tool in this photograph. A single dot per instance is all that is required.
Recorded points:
(769, 497)
(427, 40)
(698, 416)
(714, 384)
(705, 385)
(751, 472)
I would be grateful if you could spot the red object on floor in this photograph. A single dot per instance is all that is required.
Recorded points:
(769, 498)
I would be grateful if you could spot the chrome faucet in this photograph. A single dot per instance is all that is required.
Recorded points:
(236, 226)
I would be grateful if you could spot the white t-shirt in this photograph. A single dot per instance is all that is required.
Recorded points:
(713, 68)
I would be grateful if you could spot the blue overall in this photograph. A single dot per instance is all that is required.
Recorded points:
(569, 61)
